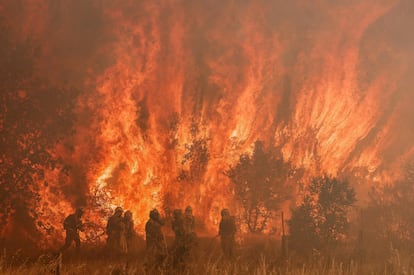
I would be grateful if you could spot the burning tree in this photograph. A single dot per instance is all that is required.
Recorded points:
(260, 182)
(389, 217)
(321, 220)
(33, 119)
(196, 157)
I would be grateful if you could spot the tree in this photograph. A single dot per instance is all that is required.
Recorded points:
(320, 221)
(389, 217)
(261, 184)
(303, 227)
(196, 157)
(34, 117)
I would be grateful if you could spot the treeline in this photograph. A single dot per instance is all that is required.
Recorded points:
(34, 117)
(327, 218)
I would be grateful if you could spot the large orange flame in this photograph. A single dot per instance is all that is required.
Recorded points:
(188, 86)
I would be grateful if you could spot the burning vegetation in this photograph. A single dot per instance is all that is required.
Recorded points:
(261, 107)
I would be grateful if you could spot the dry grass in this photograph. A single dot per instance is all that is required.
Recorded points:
(255, 257)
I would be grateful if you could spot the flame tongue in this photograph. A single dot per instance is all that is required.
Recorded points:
(191, 86)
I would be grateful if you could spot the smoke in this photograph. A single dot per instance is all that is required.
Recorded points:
(172, 92)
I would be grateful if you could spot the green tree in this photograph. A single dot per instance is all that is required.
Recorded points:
(320, 222)
(261, 184)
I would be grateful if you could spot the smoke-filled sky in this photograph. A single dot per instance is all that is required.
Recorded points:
(171, 93)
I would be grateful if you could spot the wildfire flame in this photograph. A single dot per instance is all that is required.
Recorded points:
(176, 91)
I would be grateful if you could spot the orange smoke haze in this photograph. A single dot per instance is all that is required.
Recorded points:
(173, 92)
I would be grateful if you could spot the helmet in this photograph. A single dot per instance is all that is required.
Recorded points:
(154, 214)
(128, 214)
(225, 212)
(177, 213)
(188, 209)
(79, 211)
(118, 209)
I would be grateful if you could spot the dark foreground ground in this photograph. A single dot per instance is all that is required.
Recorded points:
(254, 255)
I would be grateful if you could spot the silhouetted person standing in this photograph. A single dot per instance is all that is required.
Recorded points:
(130, 234)
(156, 248)
(189, 221)
(72, 225)
(189, 229)
(115, 229)
(227, 231)
(179, 247)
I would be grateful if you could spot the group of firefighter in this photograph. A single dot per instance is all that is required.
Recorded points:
(121, 236)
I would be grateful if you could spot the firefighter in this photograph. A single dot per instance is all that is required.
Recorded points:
(156, 250)
(189, 221)
(115, 229)
(179, 249)
(227, 231)
(130, 234)
(72, 225)
(189, 229)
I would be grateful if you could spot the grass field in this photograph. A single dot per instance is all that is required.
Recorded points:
(257, 255)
